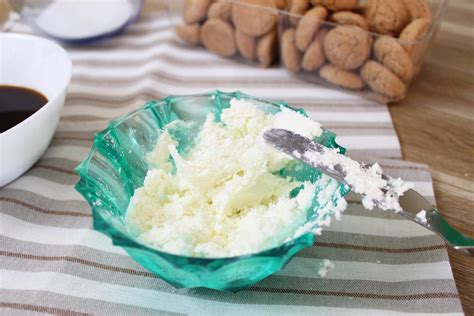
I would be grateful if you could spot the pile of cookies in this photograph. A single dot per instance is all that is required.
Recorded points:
(248, 28)
(367, 45)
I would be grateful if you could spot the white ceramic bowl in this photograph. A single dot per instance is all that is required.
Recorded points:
(40, 64)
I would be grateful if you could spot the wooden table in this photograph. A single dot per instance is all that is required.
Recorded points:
(435, 124)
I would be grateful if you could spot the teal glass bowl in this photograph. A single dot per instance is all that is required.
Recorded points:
(116, 166)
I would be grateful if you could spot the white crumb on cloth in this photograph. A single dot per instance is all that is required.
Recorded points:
(325, 267)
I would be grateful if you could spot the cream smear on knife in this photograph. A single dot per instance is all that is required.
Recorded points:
(368, 181)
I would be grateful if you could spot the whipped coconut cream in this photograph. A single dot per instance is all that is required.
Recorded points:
(224, 196)
(376, 190)
(325, 267)
(421, 217)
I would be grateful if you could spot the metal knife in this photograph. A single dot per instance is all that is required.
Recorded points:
(411, 201)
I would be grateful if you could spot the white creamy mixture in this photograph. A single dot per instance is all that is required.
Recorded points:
(365, 180)
(224, 198)
(421, 217)
(74, 19)
(325, 267)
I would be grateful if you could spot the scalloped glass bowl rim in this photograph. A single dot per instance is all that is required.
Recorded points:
(118, 239)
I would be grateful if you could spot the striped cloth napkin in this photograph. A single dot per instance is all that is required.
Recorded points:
(52, 262)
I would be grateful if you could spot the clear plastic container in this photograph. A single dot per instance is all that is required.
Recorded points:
(376, 66)
(233, 29)
(346, 56)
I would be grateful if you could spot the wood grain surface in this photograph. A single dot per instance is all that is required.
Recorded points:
(435, 124)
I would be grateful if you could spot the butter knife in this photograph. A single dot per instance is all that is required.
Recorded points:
(412, 202)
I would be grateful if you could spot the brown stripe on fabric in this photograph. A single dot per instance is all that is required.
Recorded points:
(297, 102)
(169, 78)
(41, 309)
(74, 138)
(53, 176)
(338, 105)
(379, 241)
(343, 128)
(83, 305)
(212, 62)
(378, 249)
(148, 94)
(77, 260)
(70, 142)
(288, 285)
(42, 210)
(69, 172)
(407, 297)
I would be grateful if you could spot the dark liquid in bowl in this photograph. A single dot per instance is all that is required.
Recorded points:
(17, 104)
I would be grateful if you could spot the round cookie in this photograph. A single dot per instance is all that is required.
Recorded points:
(391, 54)
(189, 33)
(298, 7)
(347, 46)
(410, 34)
(279, 4)
(337, 5)
(246, 45)
(267, 49)
(377, 97)
(220, 10)
(382, 80)
(289, 52)
(417, 69)
(321, 35)
(194, 11)
(250, 18)
(348, 17)
(386, 16)
(418, 9)
(218, 37)
(341, 77)
(308, 26)
(314, 57)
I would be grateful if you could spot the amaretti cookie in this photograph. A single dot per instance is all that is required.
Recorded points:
(418, 9)
(195, 11)
(267, 49)
(250, 18)
(348, 17)
(347, 46)
(409, 36)
(308, 26)
(221, 10)
(337, 5)
(246, 45)
(290, 54)
(189, 33)
(382, 80)
(218, 37)
(344, 78)
(386, 16)
(391, 54)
